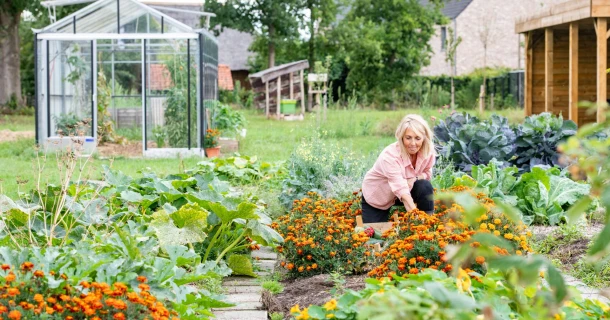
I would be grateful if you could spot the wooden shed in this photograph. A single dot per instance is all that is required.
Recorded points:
(272, 85)
(566, 50)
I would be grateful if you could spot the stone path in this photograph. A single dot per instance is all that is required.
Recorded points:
(245, 292)
(585, 291)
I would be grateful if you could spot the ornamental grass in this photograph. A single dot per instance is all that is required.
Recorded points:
(319, 237)
(26, 294)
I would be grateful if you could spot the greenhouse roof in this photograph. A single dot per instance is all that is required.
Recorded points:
(128, 17)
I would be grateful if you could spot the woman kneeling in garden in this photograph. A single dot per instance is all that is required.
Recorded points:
(401, 175)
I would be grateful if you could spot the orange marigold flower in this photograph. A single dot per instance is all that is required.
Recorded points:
(38, 297)
(49, 310)
(38, 273)
(27, 266)
(301, 269)
(14, 315)
(3, 309)
(119, 316)
(10, 277)
(142, 279)
(5, 266)
(144, 287)
(480, 260)
(12, 292)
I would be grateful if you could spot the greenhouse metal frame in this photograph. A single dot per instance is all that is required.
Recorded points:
(77, 59)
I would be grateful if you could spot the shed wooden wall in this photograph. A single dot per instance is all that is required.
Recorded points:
(587, 75)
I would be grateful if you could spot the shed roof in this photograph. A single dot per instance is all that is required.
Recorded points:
(272, 73)
(452, 8)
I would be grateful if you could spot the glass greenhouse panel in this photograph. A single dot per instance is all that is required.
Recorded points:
(70, 87)
(171, 111)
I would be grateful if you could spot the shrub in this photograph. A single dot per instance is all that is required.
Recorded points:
(420, 240)
(319, 237)
(30, 293)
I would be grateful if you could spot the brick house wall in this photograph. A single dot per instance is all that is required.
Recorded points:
(504, 47)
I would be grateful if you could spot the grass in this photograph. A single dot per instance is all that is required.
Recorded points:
(364, 131)
(17, 123)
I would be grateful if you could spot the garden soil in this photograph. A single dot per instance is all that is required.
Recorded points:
(8, 135)
(131, 149)
(307, 291)
(569, 253)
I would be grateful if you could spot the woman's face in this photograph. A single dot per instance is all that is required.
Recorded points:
(412, 141)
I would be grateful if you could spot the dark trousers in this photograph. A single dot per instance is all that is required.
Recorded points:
(422, 194)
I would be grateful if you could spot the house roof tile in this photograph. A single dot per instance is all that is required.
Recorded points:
(452, 8)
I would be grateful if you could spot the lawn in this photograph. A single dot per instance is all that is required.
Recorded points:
(364, 131)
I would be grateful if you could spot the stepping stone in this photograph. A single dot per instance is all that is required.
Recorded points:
(262, 273)
(244, 289)
(240, 315)
(240, 281)
(249, 305)
(266, 265)
(264, 253)
(244, 297)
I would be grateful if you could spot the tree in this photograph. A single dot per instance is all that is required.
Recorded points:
(10, 44)
(274, 20)
(323, 13)
(386, 42)
(452, 44)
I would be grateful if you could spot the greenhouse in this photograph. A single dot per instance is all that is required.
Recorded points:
(125, 61)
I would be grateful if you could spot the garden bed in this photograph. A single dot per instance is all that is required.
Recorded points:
(314, 290)
(131, 149)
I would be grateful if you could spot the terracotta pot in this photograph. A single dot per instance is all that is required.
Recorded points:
(212, 152)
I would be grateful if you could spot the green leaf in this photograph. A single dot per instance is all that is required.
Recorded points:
(241, 265)
(316, 312)
(131, 196)
(601, 241)
(578, 209)
(169, 234)
(557, 283)
(245, 210)
(264, 234)
(191, 215)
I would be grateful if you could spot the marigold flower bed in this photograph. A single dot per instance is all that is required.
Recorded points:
(319, 237)
(25, 294)
(420, 239)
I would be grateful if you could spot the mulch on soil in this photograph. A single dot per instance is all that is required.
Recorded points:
(307, 291)
(8, 135)
(569, 254)
(131, 149)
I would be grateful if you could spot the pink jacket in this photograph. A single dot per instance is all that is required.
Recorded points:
(387, 180)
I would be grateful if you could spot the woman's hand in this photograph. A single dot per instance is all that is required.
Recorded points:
(408, 202)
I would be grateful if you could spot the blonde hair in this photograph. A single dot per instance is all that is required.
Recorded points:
(421, 127)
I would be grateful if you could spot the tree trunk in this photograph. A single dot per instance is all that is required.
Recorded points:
(312, 36)
(271, 47)
(10, 64)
